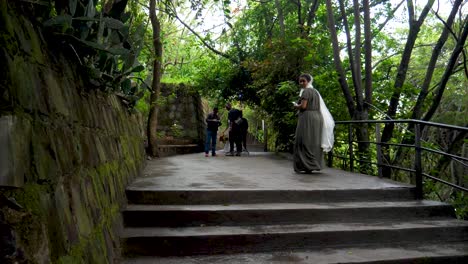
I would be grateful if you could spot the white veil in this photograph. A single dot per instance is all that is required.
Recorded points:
(328, 138)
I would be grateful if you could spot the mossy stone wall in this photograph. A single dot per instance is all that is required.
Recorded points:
(67, 153)
(182, 117)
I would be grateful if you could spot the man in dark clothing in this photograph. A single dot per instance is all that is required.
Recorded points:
(212, 124)
(235, 120)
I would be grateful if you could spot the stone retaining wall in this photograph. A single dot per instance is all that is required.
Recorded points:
(182, 117)
(66, 154)
(181, 124)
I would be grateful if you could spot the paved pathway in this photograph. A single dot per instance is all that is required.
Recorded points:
(260, 170)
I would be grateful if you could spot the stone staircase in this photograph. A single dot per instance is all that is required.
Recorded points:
(385, 225)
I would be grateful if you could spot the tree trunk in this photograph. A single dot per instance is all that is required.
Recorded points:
(363, 148)
(357, 78)
(367, 55)
(415, 26)
(300, 23)
(417, 112)
(280, 18)
(361, 110)
(311, 15)
(448, 72)
(418, 108)
(351, 55)
(455, 146)
(156, 83)
(337, 60)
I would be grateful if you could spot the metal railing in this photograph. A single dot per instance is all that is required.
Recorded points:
(417, 168)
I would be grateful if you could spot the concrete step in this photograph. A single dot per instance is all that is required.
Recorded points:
(436, 253)
(245, 196)
(276, 213)
(159, 241)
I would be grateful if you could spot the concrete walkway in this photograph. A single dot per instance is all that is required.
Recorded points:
(259, 170)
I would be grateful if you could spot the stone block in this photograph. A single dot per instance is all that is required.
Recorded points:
(80, 211)
(107, 119)
(67, 153)
(96, 251)
(86, 112)
(31, 40)
(14, 151)
(58, 102)
(99, 149)
(44, 154)
(26, 85)
(67, 228)
(88, 151)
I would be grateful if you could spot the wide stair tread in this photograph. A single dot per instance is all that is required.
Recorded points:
(201, 231)
(269, 213)
(166, 241)
(239, 196)
(446, 252)
(276, 206)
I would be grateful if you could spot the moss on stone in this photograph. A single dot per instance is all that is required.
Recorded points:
(94, 244)
(29, 224)
(30, 198)
(100, 150)
(66, 153)
(77, 151)
(81, 215)
(32, 37)
(44, 154)
(56, 98)
(7, 38)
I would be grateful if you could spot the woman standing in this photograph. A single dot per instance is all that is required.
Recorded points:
(307, 145)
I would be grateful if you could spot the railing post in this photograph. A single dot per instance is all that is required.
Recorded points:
(417, 162)
(330, 159)
(350, 142)
(379, 149)
(265, 136)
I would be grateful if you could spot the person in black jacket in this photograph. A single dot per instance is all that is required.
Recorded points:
(212, 124)
(235, 136)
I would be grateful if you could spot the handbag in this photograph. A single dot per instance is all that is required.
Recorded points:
(238, 121)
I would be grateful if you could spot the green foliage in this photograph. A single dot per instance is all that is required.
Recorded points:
(103, 44)
(142, 105)
(277, 102)
(459, 199)
(270, 64)
(176, 130)
(460, 202)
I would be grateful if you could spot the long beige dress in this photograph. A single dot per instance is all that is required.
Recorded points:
(307, 146)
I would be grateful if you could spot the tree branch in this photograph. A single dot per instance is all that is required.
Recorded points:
(367, 53)
(390, 17)
(448, 72)
(409, 4)
(417, 112)
(414, 29)
(311, 15)
(337, 60)
(204, 42)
